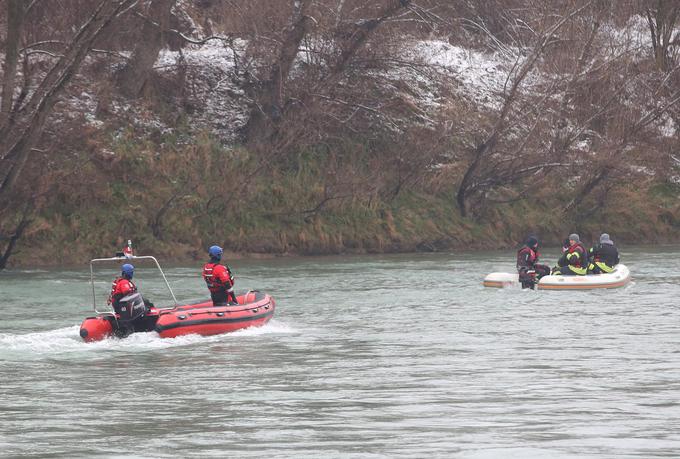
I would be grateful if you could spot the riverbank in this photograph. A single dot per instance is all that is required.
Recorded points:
(401, 138)
(412, 222)
(176, 196)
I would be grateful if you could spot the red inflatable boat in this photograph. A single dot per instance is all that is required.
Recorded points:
(254, 309)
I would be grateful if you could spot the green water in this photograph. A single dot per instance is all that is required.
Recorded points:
(367, 356)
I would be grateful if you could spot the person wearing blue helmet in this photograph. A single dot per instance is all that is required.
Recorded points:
(219, 279)
(129, 305)
(122, 286)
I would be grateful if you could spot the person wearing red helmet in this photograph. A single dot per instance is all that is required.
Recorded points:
(219, 279)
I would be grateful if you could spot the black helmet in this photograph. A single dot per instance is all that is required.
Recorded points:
(532, 242)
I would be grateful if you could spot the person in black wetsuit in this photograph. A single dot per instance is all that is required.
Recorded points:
(603, 256)
(528, 268)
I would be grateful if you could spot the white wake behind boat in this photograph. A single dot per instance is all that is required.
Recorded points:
(617, 278)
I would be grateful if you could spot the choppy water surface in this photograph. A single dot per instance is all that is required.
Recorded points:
(367, 356)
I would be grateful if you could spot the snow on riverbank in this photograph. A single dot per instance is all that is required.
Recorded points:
(212, 96)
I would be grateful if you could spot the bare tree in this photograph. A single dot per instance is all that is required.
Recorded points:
(27, 122)
(270, 100)
(23, 122)
(618, 156)
(15, 18)
(662, 17)
(330, 52)
(472, 182)
(134, 75)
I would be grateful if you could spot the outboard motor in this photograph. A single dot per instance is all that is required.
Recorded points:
(130, 307)
(130, 310)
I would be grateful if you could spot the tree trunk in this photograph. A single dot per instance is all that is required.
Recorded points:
(361, 35)
(29, 120)
(136, 73)
(594, 181)
(157, 222)
(269, 102)
(15, 18)
(466, 182)
(661, 22)
(11, 244)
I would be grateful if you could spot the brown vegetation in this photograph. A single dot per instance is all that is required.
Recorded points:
(348, 140)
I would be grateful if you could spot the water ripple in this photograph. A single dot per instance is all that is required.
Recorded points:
(367, 357)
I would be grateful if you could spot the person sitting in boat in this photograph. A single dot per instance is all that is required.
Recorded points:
(603, 256)
(574, 260)
(129, 305)
(562, 261)
(528, 268)
(219, 279)
(122, 286)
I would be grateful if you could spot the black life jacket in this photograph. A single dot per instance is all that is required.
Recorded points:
(605, 253)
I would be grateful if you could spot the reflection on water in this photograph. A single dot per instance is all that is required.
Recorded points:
(370, 356)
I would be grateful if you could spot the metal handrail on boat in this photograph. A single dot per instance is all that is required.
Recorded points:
(121, 258)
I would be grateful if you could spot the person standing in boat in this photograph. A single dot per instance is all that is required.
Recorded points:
(219, 279)
(528, 268)
(574, 260)
(603, 256)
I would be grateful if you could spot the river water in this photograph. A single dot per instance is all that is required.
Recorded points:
(367, 357)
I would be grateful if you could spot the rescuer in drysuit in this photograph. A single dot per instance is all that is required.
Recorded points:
(603, 256)
(574, 260)
(219, 279)
(530, 272)
(129, 305)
